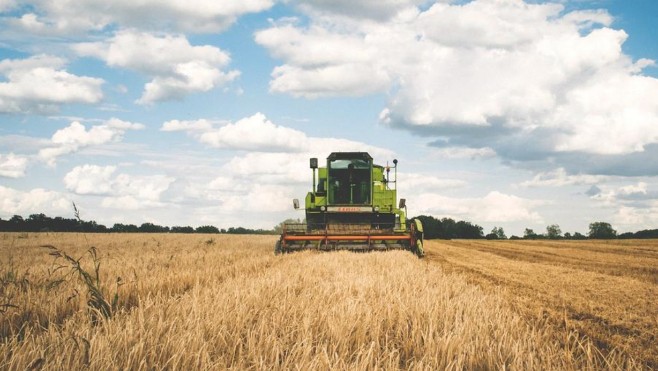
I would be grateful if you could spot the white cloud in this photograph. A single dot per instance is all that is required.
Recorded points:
(495, 207)
(254, 133)
(465, 152)
(17, 202)
(368, 9)
(40, 84)
(635, 218)
(274, 167)
(505, 70)
(6, 5)
(12, 166)
(76, 136)
(421, 183)
(263, 198)
(129, 203)
(639, 188)
(258, 134)
(633, 194)
(122, 190)
(187, 125)
(89, 179)
(69, 16)
(560, 178)
(323, 64)
(176, 67)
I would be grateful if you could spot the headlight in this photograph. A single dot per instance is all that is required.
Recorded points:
(376, 208)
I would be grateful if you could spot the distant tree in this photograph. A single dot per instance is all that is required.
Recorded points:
(567, 236)
(14, 224)
(497, 233)
(16, 219)
(553, 231)
(238, 230)
(646, 233)
(124, 228)
(152, 228)
(468, 230)
(187, 229)
(578, 236)
(529, 234)
(514, 237)
(601, 230)
(206, 229)
(431, 227)
(38, 223)
(447, 228)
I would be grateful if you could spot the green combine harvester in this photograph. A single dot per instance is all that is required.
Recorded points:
(353, 206)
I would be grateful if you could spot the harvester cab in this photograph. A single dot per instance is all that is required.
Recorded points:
(352, 206)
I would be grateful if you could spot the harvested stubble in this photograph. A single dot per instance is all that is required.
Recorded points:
(605, 290)
(231, 303)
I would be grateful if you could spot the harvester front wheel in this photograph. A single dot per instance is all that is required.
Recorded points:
(277, 248)
(417, 234)
(419, 249)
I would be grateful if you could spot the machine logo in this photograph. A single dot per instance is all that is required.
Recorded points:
(350, 209)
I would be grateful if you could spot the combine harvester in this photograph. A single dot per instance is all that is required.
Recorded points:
(352, 207)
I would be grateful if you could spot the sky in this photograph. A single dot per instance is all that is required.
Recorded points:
(505, 113)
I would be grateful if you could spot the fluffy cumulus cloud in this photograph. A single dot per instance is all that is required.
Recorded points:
(559, 178)
(495, 207)
(239, 195)
(262, 137)
(631, 194)
(490, 75)
(271, 154)
(423, 183)
(321, 63)
(69, 16)
(38, 200)
(12, 166)
(254, 133)
(6, 5)
(632, 219)
(176, 67)
(271, 167)
(120, 190)
(76, 136)
(634, 206)
(41, 84)
(465, 152)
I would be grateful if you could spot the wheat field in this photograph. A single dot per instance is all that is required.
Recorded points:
(175, 301)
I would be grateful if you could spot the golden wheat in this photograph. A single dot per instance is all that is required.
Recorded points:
(218, 302)
(605, 290)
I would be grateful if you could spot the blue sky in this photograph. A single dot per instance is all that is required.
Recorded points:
(501, 112)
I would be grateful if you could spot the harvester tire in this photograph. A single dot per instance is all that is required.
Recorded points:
(277, 248)
(419, 249)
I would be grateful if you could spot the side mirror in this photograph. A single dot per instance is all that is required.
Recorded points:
(403, 203)
(295, 203)
(314, 163)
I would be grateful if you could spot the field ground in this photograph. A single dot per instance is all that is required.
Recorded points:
(172, 301)
(606, 290)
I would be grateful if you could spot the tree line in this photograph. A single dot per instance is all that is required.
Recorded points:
(447, 228)
(43, 223)
(434, 228)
